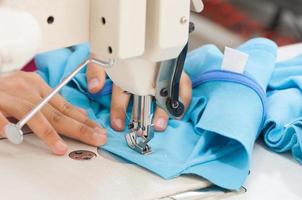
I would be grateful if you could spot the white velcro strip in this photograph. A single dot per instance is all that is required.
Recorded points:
(234, 60)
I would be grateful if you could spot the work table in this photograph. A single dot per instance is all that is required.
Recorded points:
(30, 171)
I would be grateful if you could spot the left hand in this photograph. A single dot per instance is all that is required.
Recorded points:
(119, 102)
(20, 91)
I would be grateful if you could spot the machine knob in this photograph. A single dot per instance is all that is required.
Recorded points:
(175, 108)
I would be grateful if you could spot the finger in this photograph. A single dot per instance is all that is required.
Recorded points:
(43, 90)
(73, 128)
(95, 78)
(39, 124)
(83, 111)
(69, 126)
(66, 108)
(160, 119)
(185, 90)
(119, 104)
(43, 129)
(4, 114)
(3, 123)
(71, 111)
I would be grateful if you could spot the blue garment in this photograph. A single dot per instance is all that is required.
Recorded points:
(216, 137)
(283, 127)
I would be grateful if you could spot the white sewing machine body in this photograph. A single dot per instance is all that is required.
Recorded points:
(136, 33)
(30, 172)
(146, 39)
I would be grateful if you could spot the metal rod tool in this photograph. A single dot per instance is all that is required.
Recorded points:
(14, 132)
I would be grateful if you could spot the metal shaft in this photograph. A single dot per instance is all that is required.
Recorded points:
(66, 80)
(141, 127)
(135, 117)
(145, 113)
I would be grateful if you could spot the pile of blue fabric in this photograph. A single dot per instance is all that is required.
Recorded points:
(228, 111)
(283, 126)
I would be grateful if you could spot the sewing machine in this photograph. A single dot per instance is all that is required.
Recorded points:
(142, 43)
(145, 44)
(28, 171)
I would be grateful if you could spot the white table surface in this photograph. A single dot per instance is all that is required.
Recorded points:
(273, 177)
(28, 172)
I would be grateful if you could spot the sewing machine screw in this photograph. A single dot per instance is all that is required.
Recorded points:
(164, 92)
(175, 104)
(191, 27)
(183, 20)
(176, 108)
(82, 155)
(130, 126)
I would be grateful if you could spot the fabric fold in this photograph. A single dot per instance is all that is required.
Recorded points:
(283, 129)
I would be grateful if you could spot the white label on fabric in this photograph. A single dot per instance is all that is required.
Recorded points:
(234, 60)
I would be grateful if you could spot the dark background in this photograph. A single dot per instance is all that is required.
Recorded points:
(279, 20)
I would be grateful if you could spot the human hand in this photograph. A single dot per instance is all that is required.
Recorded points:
(120, 100)
(21, 91)
(96, 79)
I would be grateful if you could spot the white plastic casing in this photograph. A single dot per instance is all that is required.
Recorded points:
(138, 34)
(167, 29)
(18, 43)
(70, 24)
(118, 28)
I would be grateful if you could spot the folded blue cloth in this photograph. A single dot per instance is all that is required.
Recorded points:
(283, 126)
(216, 137)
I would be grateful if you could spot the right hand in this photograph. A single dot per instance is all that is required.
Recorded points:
(119, 101)
(21, 91)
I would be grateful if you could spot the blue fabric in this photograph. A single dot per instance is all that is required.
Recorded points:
(283, 127)
(216, 137)
(228, 76)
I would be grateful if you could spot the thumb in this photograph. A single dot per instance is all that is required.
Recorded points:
(95, 78)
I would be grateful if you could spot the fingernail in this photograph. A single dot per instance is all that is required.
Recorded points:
(93, 83)
(118, 123)
(100, 130)
(161, 124)
(92, 124)
(100, 136)
(60, 148)
(83, 111)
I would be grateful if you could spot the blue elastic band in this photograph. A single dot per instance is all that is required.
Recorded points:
(243, 79)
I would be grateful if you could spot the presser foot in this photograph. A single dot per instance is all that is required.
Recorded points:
(139, 143)
(143, 149)
(141, 127)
